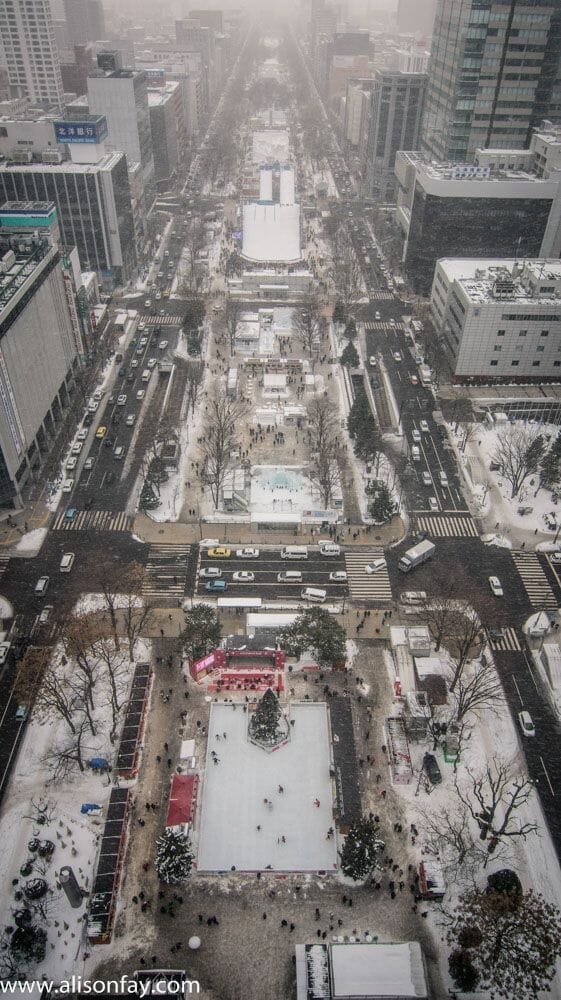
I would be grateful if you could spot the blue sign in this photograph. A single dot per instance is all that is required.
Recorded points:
(81, 131)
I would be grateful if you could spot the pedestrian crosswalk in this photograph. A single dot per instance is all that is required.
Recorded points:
(387, 327)
(162, 320)
(93, 520)
(4, 560)
(508, 644)
(166, 569)
(372, 587)
(448, 526)
(381, 296)
(534, 579)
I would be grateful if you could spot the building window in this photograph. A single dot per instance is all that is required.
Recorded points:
(498, 347)
(557, 364)
(494, 363)
(514, 364)
(522, 333)
(540, 350)
(500, 333)
(544, 333)
(536, 364)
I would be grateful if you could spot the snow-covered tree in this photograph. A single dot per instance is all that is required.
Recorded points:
(174, 857)
(202, 631)
(361, 850)
(316, 629)
(349, 357)
(382, 507)
(264, 722)
(512, 940)
(518, 453)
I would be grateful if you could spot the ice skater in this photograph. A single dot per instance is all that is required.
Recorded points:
(317, 803)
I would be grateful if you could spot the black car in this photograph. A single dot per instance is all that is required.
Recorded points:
(495, 634)
(122, 371)
(432, 769)
(110, 477)
(109, 442)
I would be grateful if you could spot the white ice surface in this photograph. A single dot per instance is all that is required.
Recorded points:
(234, 790)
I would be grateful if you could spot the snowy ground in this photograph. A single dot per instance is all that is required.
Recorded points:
(234, 790)
(280, 490)
(30, 543)
(491, 492)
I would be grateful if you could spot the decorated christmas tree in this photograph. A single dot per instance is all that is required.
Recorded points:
(174, 857)
(264, 723)
(361, 850)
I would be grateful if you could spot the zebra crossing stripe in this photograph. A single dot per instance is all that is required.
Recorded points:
(444, 526)
(374, 586)
(509, 644)
(97, 520)
(534, 580)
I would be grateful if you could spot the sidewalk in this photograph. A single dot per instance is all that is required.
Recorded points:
(170, 621)
(191, 532)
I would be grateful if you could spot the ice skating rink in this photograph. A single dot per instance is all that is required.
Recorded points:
(234, 790)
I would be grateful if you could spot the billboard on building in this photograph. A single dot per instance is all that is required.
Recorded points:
(82, 131)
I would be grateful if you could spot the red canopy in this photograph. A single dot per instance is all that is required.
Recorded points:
(182, 799)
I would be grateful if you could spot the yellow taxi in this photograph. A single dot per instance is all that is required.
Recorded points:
(219, 553)
(101, 432)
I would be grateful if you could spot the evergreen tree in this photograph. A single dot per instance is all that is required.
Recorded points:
(513, 940)
(349, 357)
(550, 470)
(264, 722)
(29, 943)
(361, 850)
(202, 631)
(194, 314)
(174, 857)
(318, 630)
(382, 507)
(462, 970)
(350, 328)
(363, 429)
(339, 312)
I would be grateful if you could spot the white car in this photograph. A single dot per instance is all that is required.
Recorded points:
(243, 576)
(147, 303)
(372, 361)
(77, 448)
(375, 565)
(151, 363)
(45, 614)
(89, 464)
(140, 394)
(377, 315)
(68, 486)
(555, 557)
(526, 724)
(130, 419)
(496, 586)
(134, 363)
(427, 479)
(158, 296)
(121, 400)
(424, 427)
(210, 573)
(163, 344)
(433, 504)
(93, 405)
(249, 553)
(338, 576)
(397, 356)
(82, 434)
(141, 327)
(416, 435)
(71, 463)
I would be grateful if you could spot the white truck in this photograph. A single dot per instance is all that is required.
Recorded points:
(425, 375)
(417, 555)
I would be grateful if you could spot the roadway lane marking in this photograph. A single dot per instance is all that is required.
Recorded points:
(547, 776)
(517, 690)
(530, 672)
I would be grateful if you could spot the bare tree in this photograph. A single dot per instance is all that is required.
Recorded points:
(63, 759)
(447, 835)
(115, 668)
(518, 453)
(44, 682)
(307, 321)
(439, 615)
(493, 798)
(79, 634)
(477, 690)
(322, 425)
(222, 420)
(191, 269)
(346, 273)
(232, 313)
(30, 671)
(465, 634)
(194, 375)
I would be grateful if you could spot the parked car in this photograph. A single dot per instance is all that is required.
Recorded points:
(131, 417)
(101, 431)
(426, 477)
(247, 553)
(221, 552)
(71, 463)
(68, 486)
(210, 572)
(45, 614)
(416, 436)
(432, 769)
(82, 434)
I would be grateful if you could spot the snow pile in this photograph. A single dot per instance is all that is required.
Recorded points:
(31, 542)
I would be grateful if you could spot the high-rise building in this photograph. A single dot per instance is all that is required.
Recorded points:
(122, 96)
(39, 352)
(85, 21)
(494, 74)
(416, 16)
(27, 39)
(396, 105)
